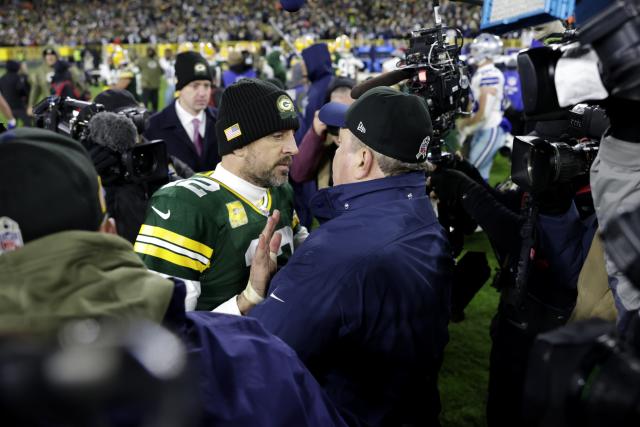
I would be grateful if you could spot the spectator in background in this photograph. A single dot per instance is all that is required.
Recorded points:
(41, 79)
(168, 63)
(151, 74)
(62, 83)
(240, 67)
(312, 165)
(15, 88)
(317, 60)
(274, 59)
(187, 125)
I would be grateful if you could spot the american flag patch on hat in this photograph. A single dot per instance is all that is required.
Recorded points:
(232, 132)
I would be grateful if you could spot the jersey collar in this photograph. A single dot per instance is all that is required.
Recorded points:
(258, 197)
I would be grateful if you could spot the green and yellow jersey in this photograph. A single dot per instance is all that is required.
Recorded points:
(202, 230)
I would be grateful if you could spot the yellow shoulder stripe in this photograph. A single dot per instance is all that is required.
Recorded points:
(295, 221)
(180, 260)
(176, 239)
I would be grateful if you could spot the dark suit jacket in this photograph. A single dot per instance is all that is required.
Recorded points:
(166, 125)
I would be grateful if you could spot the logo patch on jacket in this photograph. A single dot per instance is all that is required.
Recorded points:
(285, 107)
(232, 132)
(237, 214)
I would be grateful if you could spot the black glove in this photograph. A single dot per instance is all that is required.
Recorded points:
(450, 185)
(106, 162)
(468, 169)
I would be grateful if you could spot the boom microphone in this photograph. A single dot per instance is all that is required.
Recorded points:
(291, 5)
(113, 131)
(386, 79)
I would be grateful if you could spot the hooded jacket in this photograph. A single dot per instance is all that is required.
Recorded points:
(319, 71)
(365, 300)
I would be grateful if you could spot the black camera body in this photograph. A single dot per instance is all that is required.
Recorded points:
(592, 378)
(538, 164)
(440, 77)
(140, 163)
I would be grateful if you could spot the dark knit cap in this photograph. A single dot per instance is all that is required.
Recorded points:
(392, 123)
(49, 184)
(191, 66)
(49, 51)
(116, 99)
(13, 66)
(251, 109)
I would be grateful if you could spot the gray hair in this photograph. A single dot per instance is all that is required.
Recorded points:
(388, 165)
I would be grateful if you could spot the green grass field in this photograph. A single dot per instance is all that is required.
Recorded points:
(465, 372)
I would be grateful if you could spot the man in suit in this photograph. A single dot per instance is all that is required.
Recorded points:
(187, 124)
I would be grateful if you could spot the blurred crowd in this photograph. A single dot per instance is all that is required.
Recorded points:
(77, 22)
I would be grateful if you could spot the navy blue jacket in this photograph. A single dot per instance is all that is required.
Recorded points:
(166, 125)
(365, 300)
(247, 376)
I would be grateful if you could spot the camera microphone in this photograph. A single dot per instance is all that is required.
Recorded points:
(113, 131)
(387, 79)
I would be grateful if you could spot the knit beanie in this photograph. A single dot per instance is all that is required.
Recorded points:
(49, 185)
(191, 66)
(251, 109)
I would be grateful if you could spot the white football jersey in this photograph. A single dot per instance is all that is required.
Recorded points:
(489, 76)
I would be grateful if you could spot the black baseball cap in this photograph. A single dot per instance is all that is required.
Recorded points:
(392, 123)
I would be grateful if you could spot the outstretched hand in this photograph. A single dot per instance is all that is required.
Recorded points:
(264, 262)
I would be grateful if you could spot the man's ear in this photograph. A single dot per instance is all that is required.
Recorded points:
(109, 226)
(365, 162)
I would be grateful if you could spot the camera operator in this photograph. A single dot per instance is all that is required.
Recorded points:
(551, 286)
(615, 181)
(112, 133)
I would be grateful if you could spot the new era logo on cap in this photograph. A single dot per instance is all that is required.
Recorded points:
(232, 132)
(361, 128)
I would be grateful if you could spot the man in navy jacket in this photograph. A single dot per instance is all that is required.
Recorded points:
(365, 300)
(187, 125)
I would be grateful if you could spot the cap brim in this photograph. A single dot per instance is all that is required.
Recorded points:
(334, 114)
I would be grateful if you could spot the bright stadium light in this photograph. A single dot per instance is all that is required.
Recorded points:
(500, 16)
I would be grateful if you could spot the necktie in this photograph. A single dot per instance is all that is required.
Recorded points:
(197, 139)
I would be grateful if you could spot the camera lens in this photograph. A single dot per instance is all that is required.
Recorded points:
(143, 164)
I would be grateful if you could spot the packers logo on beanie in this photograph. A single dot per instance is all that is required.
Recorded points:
(251, 109)
(191, 66)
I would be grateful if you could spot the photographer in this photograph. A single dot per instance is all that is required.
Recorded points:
(550, 290)
(112, 134)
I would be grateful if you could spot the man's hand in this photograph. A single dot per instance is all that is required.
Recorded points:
(264, 262)
(30, 111)
(318, 125)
